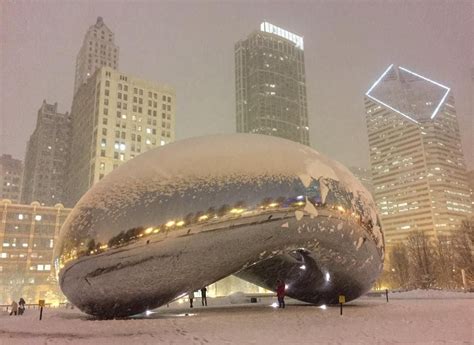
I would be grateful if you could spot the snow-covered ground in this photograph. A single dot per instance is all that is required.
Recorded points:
(416, 317)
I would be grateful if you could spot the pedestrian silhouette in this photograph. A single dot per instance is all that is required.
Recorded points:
(280, 289)
(14, 308)
(21, 306)
(203, 296)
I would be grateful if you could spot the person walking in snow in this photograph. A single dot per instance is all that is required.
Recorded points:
(21, 306)
(280, 290)
(14, 308)
(203, 296)
(191, 297)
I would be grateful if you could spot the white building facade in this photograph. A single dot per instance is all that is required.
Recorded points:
(98, 49)
(115, 117)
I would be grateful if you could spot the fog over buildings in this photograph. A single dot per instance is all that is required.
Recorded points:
(190, 46)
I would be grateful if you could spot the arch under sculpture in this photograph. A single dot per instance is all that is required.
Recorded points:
(187, 214)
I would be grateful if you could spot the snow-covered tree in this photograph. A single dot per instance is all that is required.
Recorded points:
(421, 260)
(444, 265)
(463, 242)
(400, 266)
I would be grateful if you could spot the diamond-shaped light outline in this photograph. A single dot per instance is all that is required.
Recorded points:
(415, 74)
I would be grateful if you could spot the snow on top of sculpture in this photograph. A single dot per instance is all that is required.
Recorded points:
(187, 169)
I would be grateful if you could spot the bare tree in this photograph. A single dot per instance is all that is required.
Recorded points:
(444, 264)
(400, 266)
(463, 242)
(421, 259)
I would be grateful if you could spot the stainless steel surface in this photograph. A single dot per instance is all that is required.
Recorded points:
(183, 216)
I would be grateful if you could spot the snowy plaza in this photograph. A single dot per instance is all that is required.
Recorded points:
(236, 172)
(419, 317)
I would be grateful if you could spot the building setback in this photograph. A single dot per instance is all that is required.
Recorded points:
(115, 117)
(27, 235)
(270, 85)
(46, 158)
(417, 164)
(98, 49)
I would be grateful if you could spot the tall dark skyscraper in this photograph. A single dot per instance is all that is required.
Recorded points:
(47, 153)
(270, 85)
(418, 168)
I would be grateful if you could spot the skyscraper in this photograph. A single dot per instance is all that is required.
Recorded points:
(11, 171)
(115, 117)
(470, 182)
(98, 49)
(46, 157)
(418, 168)
(364, 176)
(270, 87)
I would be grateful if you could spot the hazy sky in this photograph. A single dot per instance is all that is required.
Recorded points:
(189, 45)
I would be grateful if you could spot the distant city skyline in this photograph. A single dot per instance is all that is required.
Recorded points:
(170, 43)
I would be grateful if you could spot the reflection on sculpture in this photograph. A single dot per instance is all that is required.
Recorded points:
(260, 207)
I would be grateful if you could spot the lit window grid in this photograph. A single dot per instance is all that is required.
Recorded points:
(148, 140)
(27, 237)
(390, 193)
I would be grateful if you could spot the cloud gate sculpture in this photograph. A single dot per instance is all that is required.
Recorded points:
(187, 214)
